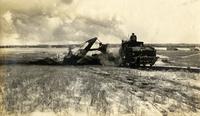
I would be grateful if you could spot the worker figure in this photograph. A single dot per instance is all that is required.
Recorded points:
(133, 41)
(133, 38)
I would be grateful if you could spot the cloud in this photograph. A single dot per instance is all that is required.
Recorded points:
(55, 21)
(83, 27)
(61, 21)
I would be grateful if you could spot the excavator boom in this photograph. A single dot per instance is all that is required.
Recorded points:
(79, 56)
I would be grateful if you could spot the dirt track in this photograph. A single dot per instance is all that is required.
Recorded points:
(97, 90)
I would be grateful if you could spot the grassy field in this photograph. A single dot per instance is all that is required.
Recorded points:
(36, 90)
(95, 90)
(181, 57)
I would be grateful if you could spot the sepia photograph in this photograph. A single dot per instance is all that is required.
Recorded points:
(99, 58)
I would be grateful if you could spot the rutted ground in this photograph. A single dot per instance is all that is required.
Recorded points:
(97, 90)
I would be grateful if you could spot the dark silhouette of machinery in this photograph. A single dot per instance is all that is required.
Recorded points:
(134, 53)
(80, 57)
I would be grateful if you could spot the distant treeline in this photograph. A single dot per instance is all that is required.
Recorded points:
(111, 45)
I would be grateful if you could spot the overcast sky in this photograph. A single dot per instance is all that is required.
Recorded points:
(73, 21)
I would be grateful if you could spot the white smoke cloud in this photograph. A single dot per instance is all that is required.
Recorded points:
(55, 21)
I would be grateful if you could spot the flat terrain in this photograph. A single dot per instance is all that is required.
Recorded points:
(181, 57)
(97, 90)
(166, 57)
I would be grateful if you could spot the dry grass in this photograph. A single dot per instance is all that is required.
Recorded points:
(182, 58)
(92, 90)
(98, 91)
